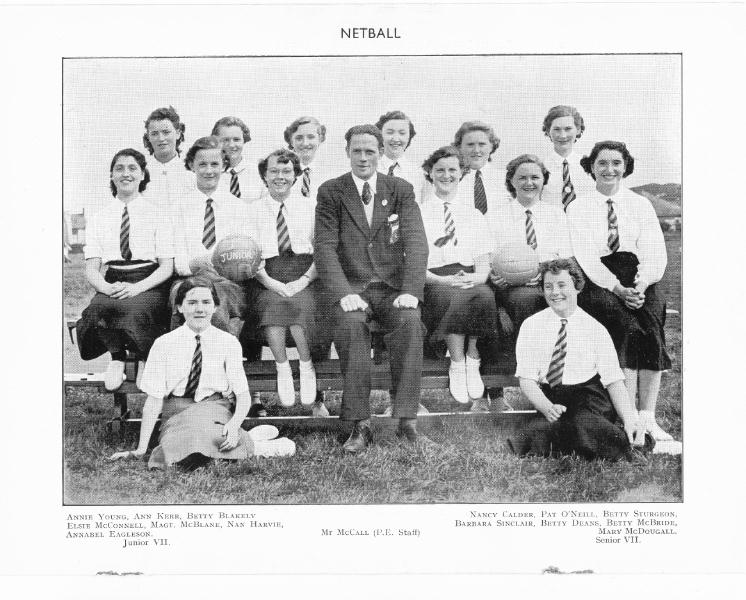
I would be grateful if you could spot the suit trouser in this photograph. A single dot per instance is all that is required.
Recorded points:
(404, 337)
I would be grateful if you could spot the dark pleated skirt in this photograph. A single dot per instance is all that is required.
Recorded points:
(638, 335)
(589, 428)
(308, 308)
(189, 427)
(447, 310)
(108, 324)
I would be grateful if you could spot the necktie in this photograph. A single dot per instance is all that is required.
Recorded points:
(568, 191)
(613, 239)
(208, 231)
(235, 189)
(366, 194)
(195, 371)
(450, 229)
(306, 186)
(480, 196)
(557, 364)
(530, 233)
(283, 235)
(391, 169)
(124, 235)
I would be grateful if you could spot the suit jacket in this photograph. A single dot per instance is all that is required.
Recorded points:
(349, 253)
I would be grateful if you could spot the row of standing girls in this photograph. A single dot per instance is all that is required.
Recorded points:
(171, 228)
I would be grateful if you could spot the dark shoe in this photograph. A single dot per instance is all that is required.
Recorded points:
(359, 439)
(256, 411)
(407, 430)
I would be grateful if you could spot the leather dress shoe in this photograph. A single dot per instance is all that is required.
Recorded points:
(359, 439)
(407, 430)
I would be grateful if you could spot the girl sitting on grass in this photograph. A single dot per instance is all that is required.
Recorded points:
(194, 378)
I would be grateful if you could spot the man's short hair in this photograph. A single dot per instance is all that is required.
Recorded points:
(364, 130)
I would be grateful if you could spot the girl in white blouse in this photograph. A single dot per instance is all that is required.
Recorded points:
(459, 307)
(284, 222)
(619, 244)
(526, 220)
(133, 241)
(164, 134)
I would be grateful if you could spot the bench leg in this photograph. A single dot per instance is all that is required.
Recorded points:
(118, 423)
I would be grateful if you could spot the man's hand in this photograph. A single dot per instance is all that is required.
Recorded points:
(406, 301)
(553, 412)
(353, 302)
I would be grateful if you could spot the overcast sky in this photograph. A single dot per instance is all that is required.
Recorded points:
(631, 98)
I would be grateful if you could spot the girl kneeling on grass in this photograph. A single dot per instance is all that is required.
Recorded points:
(194, 378)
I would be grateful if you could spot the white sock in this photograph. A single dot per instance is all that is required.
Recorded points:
(305, 365)
(282, 366)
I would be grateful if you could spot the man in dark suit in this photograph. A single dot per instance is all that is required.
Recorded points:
(371, 254)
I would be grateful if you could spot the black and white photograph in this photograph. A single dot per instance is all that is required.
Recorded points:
(387, 286)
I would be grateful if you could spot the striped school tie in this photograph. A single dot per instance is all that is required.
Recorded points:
(480, 196)
(530, 232)
(195, 372)
(557, 364)
(450, 229)
(568, 191)
(283, 235)
(306, 185)
(367, 197)
(235, 188)
(124, 235)
(208, 231)
(613, 239)
(391, 169)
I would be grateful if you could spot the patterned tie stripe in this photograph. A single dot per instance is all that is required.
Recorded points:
(208, 231)
(283, 235)
(568, 191)
(306, 186)
(124, 236)
(480, 196)
(450, 229)
(391, 169)
(530, 232)
(235, 189)
(195, 372)
(366, 194)
(613, 239)
(557, 364)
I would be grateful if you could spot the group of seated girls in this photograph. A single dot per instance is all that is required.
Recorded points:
(168, 215)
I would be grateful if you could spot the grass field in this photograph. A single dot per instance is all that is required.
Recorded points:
(469, 462)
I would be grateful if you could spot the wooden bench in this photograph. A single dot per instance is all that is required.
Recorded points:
(262, 377)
